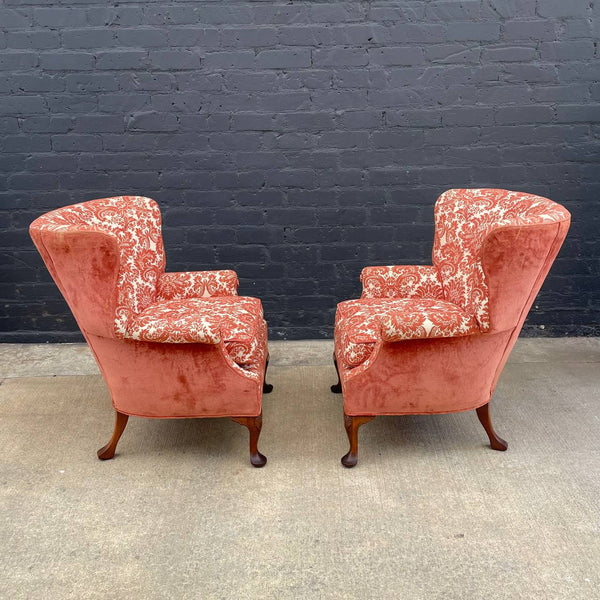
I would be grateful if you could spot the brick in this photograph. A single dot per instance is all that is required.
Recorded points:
(467, 116)
(422, 32)
(26, 143)
(509, 54)
(529, 30)
(96, 82)
(304, 35)
(177, 15)
(9, 125)
(105, 16)
(11, 18)
(414, 118)
(88, 38)
(36, 83)
(237, 59)
(453, 11)
(76, 143)
(522, 73)
(283, 59)
(152, 121)
(174, 59)
(452, 53)
(356, 35)
(46, 124)
(119, 59)
(307, 121)
(446, 136)
(13, 61)
(66, 61)
(59, 17)
(17, 105)
(405, 138)
(336, 13)
(361, 119)
(563, 50)
(340, 57)
(193, 36)
(142, 37)
(578, 113)
(524, 114)
(480, 32)
(245, 37)
(38, 39)
(343, 139)
(557, 8)
(402, 55)
(357, 78)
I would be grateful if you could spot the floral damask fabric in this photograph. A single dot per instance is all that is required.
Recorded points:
(410, 281)
(463, 219)
(360, 323)
(237, 321)
(135, 222)
(196, 284)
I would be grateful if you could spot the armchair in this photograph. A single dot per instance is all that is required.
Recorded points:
(169, 345)
(434, 339)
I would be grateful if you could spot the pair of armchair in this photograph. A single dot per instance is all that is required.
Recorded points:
(420, 340)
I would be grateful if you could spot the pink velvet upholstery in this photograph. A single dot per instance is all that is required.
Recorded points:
(434, 339)
(168, 344)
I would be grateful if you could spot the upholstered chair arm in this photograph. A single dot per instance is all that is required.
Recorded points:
(196, 284)
(404, 281)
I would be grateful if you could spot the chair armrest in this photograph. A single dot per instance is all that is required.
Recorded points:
(404, 281)
(196, 284)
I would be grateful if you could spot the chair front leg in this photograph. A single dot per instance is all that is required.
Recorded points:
(107, 452)
(254, 425)
(496, 442)
(352, 424)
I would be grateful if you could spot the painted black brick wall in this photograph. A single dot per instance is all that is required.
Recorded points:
(296, 142)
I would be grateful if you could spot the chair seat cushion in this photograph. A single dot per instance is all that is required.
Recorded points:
(235, 320)
(361, 323)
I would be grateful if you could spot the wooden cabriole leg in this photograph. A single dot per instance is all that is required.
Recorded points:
(352, 424)
(107, 452)
(336, 388)
(267, 387)
(254, 425)
(496, 442)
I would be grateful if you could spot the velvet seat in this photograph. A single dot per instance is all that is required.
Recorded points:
(169, 345)
(434, 339)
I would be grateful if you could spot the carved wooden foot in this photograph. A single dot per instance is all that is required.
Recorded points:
(336, 388)
(496, 442)
(254, 425)
(352, 424)
(108, 451)
(267, 387)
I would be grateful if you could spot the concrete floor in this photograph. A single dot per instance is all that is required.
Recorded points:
(430, 511)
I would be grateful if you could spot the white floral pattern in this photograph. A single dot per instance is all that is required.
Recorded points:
(196, 284)
(410, 281)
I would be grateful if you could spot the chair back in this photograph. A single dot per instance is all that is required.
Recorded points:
(105, 256)
(493, 249)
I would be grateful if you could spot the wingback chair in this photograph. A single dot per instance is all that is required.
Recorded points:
(434, 339)
(169, 345)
